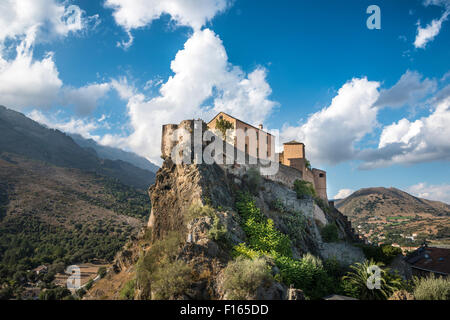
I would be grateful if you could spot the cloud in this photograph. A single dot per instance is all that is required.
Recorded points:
(410, 89)
(343, 193)
(140, 13)
(24, 82)
(82, 127)
(331, 134)
(27, 82)
(407, 142)
(204, 82)
(50, 18)
(85, 99)
(431, 192)
(428, 33)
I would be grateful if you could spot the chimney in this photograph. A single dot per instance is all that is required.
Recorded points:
(260, 127)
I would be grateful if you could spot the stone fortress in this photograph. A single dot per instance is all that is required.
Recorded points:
(293, 164)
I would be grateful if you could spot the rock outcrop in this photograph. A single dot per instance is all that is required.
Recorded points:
(178, 187)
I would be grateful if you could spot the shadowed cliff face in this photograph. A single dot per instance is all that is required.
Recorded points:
(177, 187)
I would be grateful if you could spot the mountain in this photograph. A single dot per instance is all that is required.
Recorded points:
(23, 136)
(60, 204)
(58, 216)
(383, 214)
(111, 153)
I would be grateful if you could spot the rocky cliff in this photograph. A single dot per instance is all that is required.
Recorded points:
(213, 190)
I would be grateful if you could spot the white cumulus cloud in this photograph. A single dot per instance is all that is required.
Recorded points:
(29, 82)
(25, 82)
(343, 193)
(406, 142)
(331, 134)
(424, 190)
(428, 33)
(50, 17)
(133, 14)
(202, 76)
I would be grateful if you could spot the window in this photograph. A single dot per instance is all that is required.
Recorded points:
(321, 175)
(221, 117)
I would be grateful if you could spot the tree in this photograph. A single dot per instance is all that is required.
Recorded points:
(224, 125)
(370, 272)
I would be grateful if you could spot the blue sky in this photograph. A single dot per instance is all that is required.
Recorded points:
(372, 106)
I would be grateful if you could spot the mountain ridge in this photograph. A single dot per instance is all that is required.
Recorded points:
(24, 136)
(390, 214)
(111, 153)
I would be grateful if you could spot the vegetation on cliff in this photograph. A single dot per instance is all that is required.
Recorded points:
(263, 239)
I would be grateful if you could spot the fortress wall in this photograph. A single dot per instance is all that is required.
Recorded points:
(166, 140)
(320, 183)
(287, 174)
(296, 163)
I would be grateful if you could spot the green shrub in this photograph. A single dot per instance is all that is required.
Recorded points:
(330, 233)
(304, 189)
(159, 274)
(323, 204)
(389, 253)
(102, 272)
(89, 284)
(432, 288)
(198, 211)
(127, 292)
(385, 253)
(307, 274)
(57, 293)
(243, 276)
(171, 280)
(218, 231)
(261, 232)
(253, 180)
(356, 281)
(295, 223)
(263, 239)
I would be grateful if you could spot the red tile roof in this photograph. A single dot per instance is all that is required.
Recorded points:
(431, 259)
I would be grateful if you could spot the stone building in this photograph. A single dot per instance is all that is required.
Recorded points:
(261, 136)
(292, 161)
(294, 155)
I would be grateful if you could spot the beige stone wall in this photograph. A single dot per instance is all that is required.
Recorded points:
(293, 151)
(320, 183)
(292, 159)
(260, 134)
(286, 175)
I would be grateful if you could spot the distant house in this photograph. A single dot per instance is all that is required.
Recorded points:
(41, 269)
(429, 260)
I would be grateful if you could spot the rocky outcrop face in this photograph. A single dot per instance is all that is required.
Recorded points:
(207, 249)
(177, 187)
